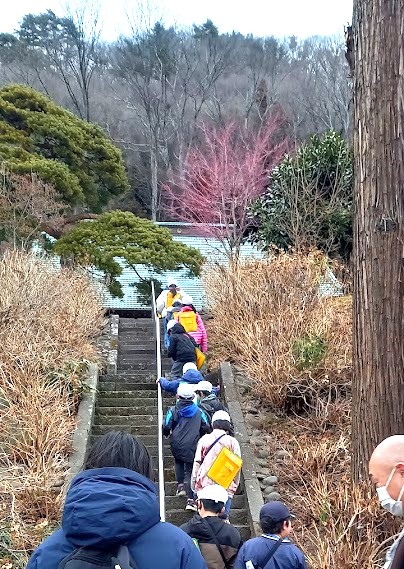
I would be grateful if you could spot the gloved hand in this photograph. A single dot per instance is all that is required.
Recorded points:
(164, 312)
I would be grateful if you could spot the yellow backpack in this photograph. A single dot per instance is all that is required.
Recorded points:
(188, 320)
(225, 468)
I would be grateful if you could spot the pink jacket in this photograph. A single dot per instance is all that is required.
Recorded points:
(203, 461)
(200, 335)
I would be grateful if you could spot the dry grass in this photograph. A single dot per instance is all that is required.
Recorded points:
(262, 309)
(295, 346)
(49, 321)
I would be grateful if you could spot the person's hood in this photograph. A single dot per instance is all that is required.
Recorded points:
(192, 376)
(199, 529)
(178, 329)
(108, 506)
(187, 309)
(186, 408)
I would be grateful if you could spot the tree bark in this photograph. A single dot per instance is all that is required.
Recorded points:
(378, 383)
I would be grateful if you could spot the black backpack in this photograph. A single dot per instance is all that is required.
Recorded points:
(87, 558)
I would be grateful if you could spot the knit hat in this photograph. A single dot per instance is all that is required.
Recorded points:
(213, 492)
(171, 324)
(220, 416)
(189, 365)
(185, 390)
(186, 300)
(204, 386)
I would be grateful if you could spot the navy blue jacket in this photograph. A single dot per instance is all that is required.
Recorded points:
(185, 424)
(256, 550)
(181, 346)
(109, 506)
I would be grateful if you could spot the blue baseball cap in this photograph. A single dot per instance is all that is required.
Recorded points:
(276, 511)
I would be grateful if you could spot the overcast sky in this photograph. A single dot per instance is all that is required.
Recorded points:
(280, 18)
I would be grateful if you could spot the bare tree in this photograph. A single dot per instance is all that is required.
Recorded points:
(70, 46)
(26, 204)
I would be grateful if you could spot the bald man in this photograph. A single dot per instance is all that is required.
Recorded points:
(386, 468)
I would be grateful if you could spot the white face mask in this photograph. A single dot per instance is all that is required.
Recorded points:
(395, 507)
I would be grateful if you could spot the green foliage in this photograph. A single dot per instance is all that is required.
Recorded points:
(144, 290)
(72, 155)
(309, 199)
(133, 240)
(309, 351)
(206, 30)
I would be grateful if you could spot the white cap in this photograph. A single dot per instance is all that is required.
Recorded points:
(220, 416)
(204, 386)
(186, 390)
(189, 365)
(186, 299)
(171, 324)
(213, 492)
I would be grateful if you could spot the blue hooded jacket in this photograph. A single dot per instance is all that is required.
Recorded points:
(110, 506)
(190, 376)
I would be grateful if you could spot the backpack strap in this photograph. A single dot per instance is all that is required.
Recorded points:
(216, 542)
(123, 559)
(270, 554)
(213, 444)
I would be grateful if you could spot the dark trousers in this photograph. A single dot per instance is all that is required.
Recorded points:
(183, 472)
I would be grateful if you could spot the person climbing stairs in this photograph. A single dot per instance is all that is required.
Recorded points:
(127, 401)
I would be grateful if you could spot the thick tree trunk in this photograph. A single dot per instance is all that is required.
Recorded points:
(378, 386)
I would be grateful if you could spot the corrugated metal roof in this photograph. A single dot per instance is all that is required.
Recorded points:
(210, 248)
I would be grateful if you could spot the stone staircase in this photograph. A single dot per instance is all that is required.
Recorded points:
(128, 401)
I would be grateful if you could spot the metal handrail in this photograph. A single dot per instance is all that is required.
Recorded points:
(162, 496)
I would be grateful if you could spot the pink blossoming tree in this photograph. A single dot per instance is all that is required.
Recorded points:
(221, 177)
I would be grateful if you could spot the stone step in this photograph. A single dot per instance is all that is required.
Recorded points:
(150, 441)
(174, 503)
(134, 378)
(135, 388)
(134, 350)
(143, 366)
(134, 409)
(144, 342)
(149, 430)
(147, 373)
(136, 421)
(169, 474)
(137, 358)
(127, 390)
(140, 332)
(181, 516)
(128, 402)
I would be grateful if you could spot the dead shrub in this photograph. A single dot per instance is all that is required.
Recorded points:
(277, 326)
(49, 322)
(295, 346)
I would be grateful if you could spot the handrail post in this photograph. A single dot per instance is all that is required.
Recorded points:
(159, 409)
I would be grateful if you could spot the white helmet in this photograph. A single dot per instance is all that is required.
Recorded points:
(186, 390)
(171, 324)
(213, 492)
(220, 416)
(204, 386)
(189, 365)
